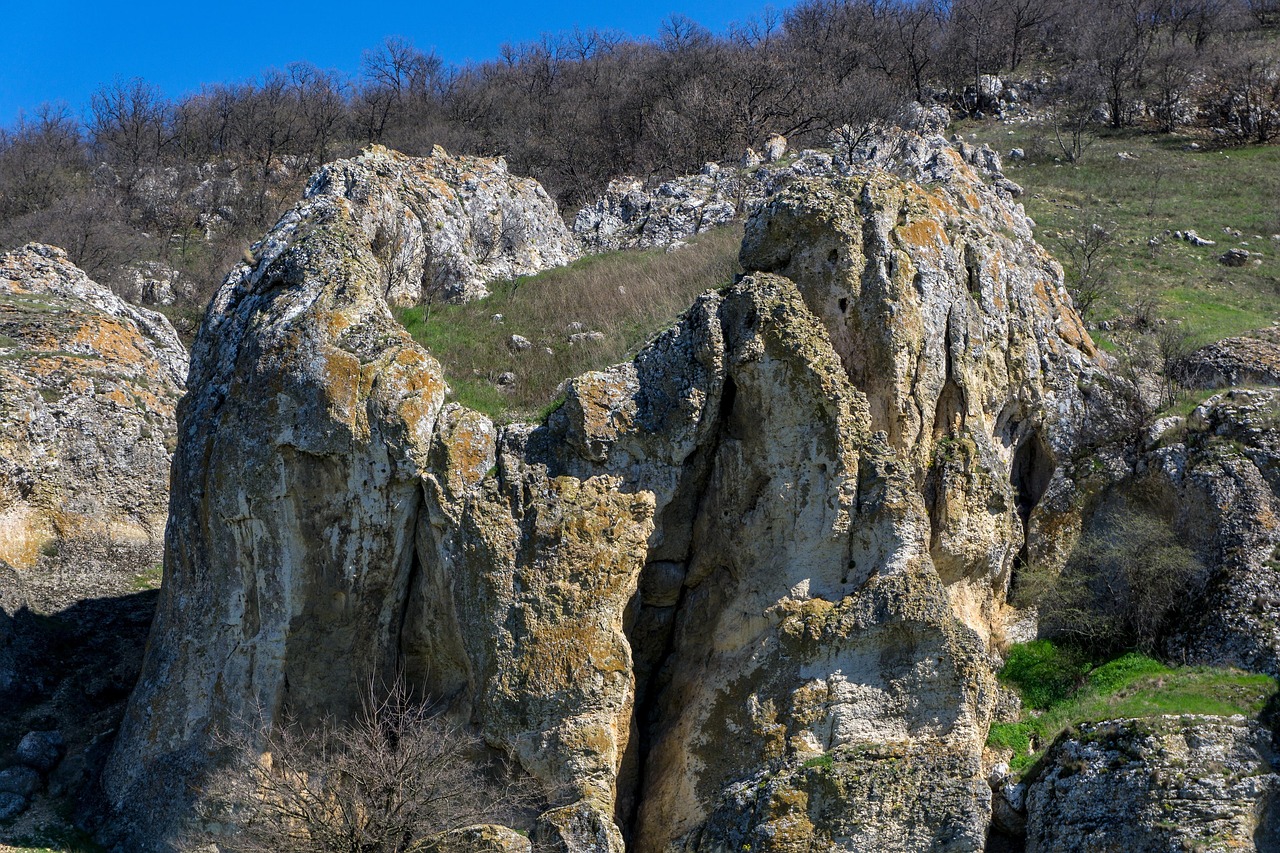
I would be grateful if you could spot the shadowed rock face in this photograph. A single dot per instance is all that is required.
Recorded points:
(735, 592)
(88, 386)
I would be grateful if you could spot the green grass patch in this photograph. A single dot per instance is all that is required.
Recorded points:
(823, 762)
(1062, 690)
(1161, 185)
(150, 579)
(625, 296)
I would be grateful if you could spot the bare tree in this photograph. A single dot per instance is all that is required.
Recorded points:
(1075, 98)
(1090, 266)
(1124, 580)
(130, 125)
(388, 782)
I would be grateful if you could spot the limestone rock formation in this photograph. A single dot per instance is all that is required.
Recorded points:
(1221, 473)
(88, 388)
(1157, 784)
(440, 227)
(1252, 359)
(631, 215)
(736, 593)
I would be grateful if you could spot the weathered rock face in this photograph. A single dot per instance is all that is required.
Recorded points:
(630, 215)
(1157, 784)
(736, 592)
(88, 387)
(1220, 471)
(1252, 359)
(440, 227)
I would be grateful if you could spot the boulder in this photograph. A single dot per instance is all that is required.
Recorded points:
(1234, 258)
(1160, 783)
(12, 805)
(41, 750)
(88, 390)
(439, 227)
(150, 283)
(484, 838)
(775, 148)
(1252, 359)
(20, 780)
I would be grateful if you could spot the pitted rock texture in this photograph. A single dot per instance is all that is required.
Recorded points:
(632, 215)
(735, 592)
(440, 227)
(88, 388)
(1157, 784)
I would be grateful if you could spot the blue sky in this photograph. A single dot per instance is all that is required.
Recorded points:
(64, 49)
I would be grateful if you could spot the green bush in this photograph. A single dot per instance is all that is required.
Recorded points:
(1043, 673)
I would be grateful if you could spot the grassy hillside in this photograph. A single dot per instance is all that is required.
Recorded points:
(1160, 184)
(624, 296)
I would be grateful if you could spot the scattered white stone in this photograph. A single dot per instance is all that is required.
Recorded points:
(775, 147)
(519, 343)
(1190, 236)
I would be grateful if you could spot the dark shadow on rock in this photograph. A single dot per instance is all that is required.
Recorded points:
(71, 671)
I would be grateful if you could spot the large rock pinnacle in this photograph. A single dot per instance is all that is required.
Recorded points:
(737, 592)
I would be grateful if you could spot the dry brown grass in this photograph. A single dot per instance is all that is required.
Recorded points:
(625, 296)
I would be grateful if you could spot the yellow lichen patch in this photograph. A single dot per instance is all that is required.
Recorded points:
(469, 448)
(114, 339)
(334, 323)
(24, 533)
(922, 234)
(343, 379)
(119, 397)
(573, 652)
(788, 827)
(601, 397)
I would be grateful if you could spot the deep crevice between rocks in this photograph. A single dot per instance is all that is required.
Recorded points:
(652, 631)
(1030, 472)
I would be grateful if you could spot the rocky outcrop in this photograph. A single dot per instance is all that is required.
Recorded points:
(88, 387)
(1220, 471)
(1157, 784)
(1252, 359)
(735, 593)
(633, 215)
(438, 227)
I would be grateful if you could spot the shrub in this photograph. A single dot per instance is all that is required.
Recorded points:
(1043, 673)
(387, 782)
(1122, 582)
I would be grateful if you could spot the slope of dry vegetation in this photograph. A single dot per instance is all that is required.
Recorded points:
(626, 297)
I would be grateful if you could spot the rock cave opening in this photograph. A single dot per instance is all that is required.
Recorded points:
(1030, 473)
